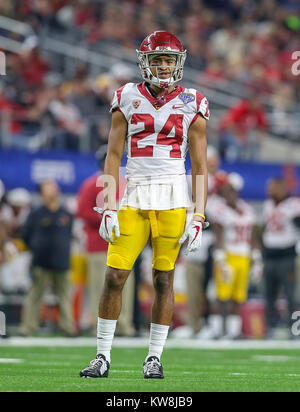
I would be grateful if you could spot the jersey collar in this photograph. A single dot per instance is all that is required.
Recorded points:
(144, 91)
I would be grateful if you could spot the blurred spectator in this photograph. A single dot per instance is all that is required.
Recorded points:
(242, 130)
(282, 121)
(19, 200)
(281, 218)
(107, 83)
(47, 233)
(79, 92)
(33, 66)
(68, 118)
(14, 273)
(236, 46)
(99, 133)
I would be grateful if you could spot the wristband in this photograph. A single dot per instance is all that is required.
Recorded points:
(200, 214)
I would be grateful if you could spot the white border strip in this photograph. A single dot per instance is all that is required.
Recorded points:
(144, 342)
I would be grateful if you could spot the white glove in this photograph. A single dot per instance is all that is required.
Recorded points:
(108, 223)
(194, 233)
(257, 266)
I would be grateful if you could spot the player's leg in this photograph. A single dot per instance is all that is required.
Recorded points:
(33, 302)
(96, 269)
(239, 296)
(170, 226)
(61, 288)
(224, 275)
(272, 284)
(125, 321)
(163, 305)
(194, 283)
(288, 276)
(134, 230)
(122, 253)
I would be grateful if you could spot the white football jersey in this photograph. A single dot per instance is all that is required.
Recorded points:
(280, 232)
(237, 225)
(157, 143)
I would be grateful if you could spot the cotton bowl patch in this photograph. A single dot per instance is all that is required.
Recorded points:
(186, 97)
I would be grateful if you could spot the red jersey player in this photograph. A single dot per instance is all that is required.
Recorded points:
(157, 121)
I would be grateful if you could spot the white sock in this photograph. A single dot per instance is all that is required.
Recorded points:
(158, 337)
(216, 324)
(234, 326)
(105, 334)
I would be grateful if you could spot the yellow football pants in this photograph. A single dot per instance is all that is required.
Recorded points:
(166, 227)
(233, 285)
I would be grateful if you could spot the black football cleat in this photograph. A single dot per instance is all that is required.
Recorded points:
(98, 368)
(153, 368)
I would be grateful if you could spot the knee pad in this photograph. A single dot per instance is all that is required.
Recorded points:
(118, 262)
(163, 263)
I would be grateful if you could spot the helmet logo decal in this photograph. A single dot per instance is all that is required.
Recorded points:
(162, 48)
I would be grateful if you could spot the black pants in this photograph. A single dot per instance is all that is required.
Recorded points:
(279, 274)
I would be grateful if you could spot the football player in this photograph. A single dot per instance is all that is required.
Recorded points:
(157, 121)
(281, 222)
(233, 221)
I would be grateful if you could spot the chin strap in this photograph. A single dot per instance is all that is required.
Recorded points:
(163, 99)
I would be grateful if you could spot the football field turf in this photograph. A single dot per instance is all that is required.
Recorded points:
(56, 369)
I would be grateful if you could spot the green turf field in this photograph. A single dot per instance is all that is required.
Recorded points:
(186, 370)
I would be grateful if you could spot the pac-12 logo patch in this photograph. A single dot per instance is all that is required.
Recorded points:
(136, 103)
(186, 97)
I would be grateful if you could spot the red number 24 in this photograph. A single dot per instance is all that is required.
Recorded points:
(174, 120)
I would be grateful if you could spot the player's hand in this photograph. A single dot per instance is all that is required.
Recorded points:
(193, 233)
(108, 224)
(257, 267)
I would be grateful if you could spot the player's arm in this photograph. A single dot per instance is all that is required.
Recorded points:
(197, 141)
(28, 229)
(198, 145)
(257, 236)
(256, 270)
(219, 233)
(116, 143)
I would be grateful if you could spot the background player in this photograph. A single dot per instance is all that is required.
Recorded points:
(156, 120)
(233, 221)
(281, 218)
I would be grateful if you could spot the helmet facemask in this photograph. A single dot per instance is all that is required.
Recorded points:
(177, 71)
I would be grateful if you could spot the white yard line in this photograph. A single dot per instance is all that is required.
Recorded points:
(271, 358)
(143, 343)
(11, 360)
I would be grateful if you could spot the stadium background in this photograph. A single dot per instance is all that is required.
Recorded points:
(65, 58)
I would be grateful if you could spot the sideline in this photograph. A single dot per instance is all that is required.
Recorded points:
(143, 342)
